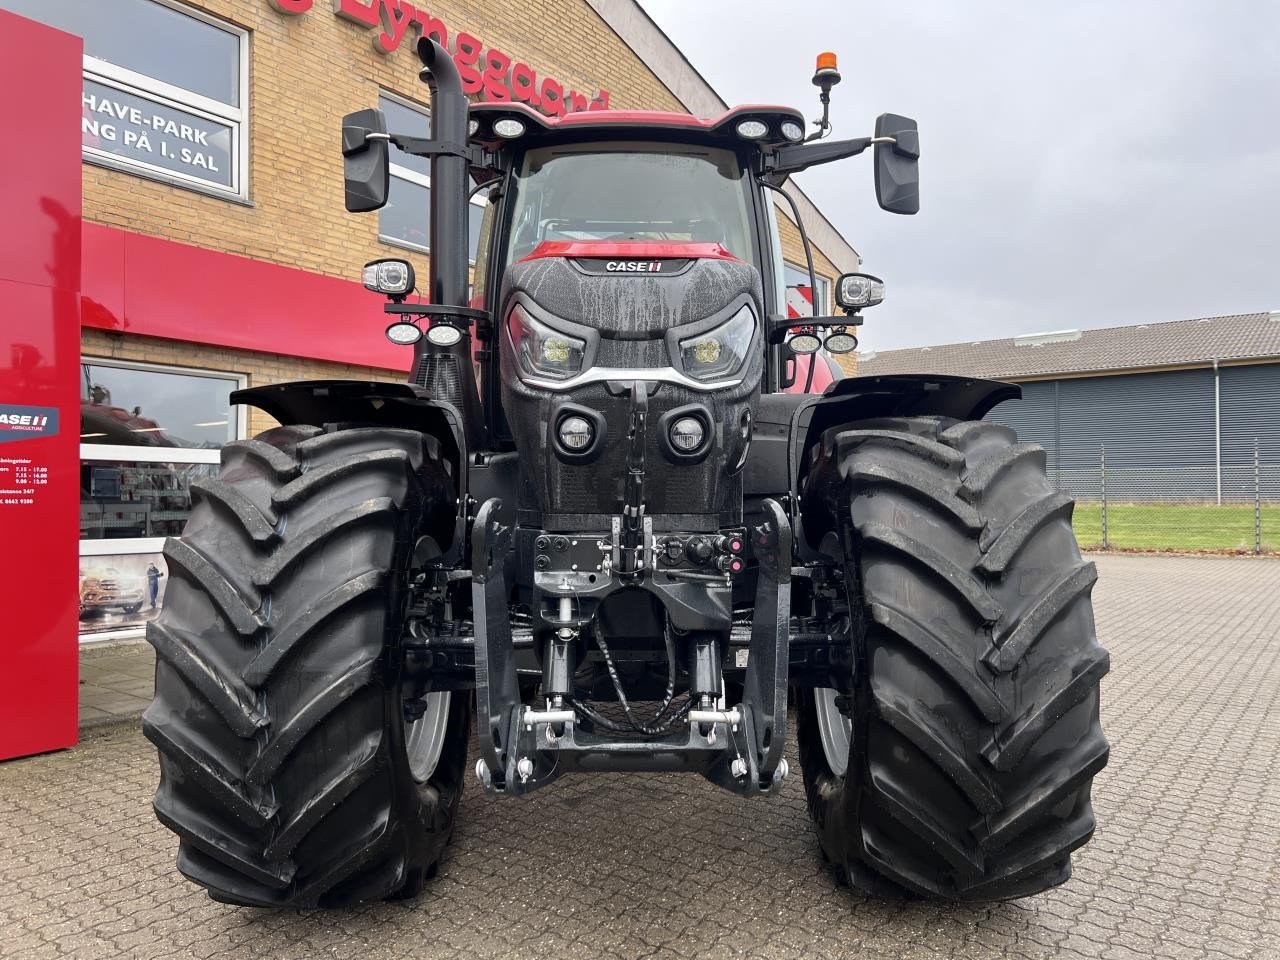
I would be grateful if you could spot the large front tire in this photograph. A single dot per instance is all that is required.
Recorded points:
(970, 725)
(286, 766)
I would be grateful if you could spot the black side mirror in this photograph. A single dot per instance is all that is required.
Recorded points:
(898, 164)
(366, 160)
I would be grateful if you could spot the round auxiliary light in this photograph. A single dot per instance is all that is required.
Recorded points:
(443, 335)
(687, 434)
(404, 333)
(473, 127)
(792, 131)
(753, 129)
(576, 433)
(509, 128)
(804, 343)
(841, 342)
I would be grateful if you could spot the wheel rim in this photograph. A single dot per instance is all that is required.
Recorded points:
(424, 737)
(835, 730)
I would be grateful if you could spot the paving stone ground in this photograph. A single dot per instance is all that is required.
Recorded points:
(116, 681)
(1185, 862)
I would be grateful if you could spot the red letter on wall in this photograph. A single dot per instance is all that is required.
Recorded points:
(466, 55)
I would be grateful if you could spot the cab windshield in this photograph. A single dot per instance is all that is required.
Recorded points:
(628, 192)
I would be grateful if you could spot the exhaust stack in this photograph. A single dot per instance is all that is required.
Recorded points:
(447, 371)
(448, 225)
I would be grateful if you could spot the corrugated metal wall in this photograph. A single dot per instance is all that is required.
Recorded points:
(1158, 429)
(1250, 411)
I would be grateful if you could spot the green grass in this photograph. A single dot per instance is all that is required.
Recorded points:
(1188, 527)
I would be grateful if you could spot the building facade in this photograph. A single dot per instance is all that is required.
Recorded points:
(216, 252)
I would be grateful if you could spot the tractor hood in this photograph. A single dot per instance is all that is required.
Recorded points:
(630, 289)
(581, 323)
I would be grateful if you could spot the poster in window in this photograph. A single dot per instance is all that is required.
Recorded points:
(120, 591)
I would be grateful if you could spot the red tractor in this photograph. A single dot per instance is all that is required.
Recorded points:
(597, 519)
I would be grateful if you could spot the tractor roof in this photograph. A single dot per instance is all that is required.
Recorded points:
(634, 123)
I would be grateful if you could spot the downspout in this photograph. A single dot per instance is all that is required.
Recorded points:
(1217, 428)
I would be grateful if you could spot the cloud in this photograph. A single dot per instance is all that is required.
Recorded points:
(1085, 164)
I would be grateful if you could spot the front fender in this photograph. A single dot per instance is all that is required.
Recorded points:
(789, 426)
(367, 403)
(906, 395)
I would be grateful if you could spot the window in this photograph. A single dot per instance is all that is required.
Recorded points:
(800, 299)
(628, 191)
(403, 221)
(164, 89)
(146, 432)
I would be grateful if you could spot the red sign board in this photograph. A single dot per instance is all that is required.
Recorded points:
(487, 73)
(39, 395)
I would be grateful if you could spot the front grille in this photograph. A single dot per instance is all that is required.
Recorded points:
(439, 374)
(633, 354)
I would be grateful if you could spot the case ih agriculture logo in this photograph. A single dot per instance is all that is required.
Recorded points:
(601, 267)
(633, 266)
(492, 74)
(24, 423)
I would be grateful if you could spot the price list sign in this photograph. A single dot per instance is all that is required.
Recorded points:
(21, 481)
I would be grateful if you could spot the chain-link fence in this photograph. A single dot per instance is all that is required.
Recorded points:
(1194, 507)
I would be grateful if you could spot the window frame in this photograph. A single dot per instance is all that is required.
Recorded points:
(413, 176)
(114, 452)
(824, 284)
(179, 98)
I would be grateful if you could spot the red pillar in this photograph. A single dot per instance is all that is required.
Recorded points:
(39, 386)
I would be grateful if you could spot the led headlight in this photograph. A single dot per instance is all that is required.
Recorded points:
(687, 434)
(576, 433)
(803, 343)
(541, 351)
(857, 290)
(404, 333)
(509, 128)
(443, 335)
(792, 131)
(392, 278)
(841, 342)
(719, 352)
(753, 129)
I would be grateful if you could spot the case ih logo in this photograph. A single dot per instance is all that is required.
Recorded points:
(491, 74)
(633, 266)
(23, 423)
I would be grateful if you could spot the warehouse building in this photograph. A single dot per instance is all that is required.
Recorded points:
(1176, 408)
(215, 250)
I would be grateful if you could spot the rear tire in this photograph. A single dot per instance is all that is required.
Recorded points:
(278, 712)
(972, 719)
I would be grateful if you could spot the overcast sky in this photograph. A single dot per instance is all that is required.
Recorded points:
(1084, 164)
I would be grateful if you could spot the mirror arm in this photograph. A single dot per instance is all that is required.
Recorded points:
(423, 147)
(801, 156)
